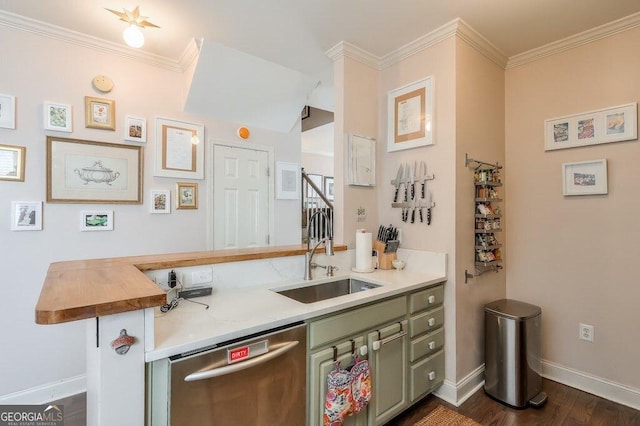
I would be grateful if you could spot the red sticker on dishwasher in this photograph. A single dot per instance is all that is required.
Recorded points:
(237, 354)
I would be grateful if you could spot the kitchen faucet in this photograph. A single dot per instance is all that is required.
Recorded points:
(328, 246)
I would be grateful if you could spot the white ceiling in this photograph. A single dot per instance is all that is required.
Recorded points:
(297, 33)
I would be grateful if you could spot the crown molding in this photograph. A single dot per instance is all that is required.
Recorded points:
(476, 40)
(580, 39)
(346, 49)
(456, 27)
(190, 53)
(55, 32)
(419, 44)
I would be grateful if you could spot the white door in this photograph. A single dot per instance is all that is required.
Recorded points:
(240, 197)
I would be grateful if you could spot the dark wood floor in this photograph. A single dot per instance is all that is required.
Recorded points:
(565, 406)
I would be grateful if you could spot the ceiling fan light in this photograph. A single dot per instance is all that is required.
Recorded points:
(133, 36)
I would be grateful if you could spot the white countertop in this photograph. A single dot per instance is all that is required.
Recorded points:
(244, 309)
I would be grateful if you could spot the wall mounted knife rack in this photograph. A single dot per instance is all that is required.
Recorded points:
(486, 247)
(417, 202)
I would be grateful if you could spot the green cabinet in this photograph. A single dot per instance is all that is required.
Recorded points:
(389, 371)
(403, 339)
(426, 353)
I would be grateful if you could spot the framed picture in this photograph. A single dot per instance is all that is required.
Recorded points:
(187, 195)
(328, 187)
(160, 201)
(12, 160)
(287, 181)
(99, 113)
(96, 220)
(607, 125)
(7, 111)
(135, 129)
(80, 171)
(306, 112)
(584, 178)
(179, 149)
(362, 160)
(26, 215)
(58, 117)
(410, 112)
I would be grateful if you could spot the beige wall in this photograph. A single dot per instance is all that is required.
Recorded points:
(480, 134)
(576, 256)
(355, 113)
(437, 61)
(37, 69)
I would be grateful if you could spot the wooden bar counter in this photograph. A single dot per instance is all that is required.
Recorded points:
(81, 289)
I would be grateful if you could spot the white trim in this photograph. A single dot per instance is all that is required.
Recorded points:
(595, 385)
(34, 26)
(346, 49)
(47, 393)
(576, 40)
(457, 393)
(436, 36)
(476, 40)
(455, 27)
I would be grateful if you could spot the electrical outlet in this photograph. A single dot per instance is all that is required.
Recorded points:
(586, 332)
(201, 276)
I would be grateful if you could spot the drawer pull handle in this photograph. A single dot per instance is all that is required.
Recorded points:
(432, 375)
(431, 322)
(432, 345)
(431, 299)
(379, 343)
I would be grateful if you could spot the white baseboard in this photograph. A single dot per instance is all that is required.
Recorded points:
(457, 393)
(47, 392)
(603, 388)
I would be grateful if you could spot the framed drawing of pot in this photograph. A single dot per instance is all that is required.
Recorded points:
(80, 171)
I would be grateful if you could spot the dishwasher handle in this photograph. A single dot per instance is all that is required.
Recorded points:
(232, 368)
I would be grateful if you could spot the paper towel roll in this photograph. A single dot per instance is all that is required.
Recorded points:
(364, 244)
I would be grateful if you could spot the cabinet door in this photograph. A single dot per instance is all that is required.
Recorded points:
(320, 365)
(389, 361)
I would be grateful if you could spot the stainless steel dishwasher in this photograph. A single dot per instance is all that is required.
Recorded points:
(257, 381)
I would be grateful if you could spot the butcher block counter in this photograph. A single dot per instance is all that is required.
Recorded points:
(82, 289)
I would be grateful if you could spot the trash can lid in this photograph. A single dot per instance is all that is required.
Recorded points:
(513, 309)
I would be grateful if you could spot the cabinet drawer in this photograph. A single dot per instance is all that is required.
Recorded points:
(426, 375)
(349, 323)
(426, 322)
(426, 299)
(426, 345)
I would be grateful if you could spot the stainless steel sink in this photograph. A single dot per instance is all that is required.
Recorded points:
(323, 291)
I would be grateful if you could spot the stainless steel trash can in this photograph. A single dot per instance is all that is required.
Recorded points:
(512, 353)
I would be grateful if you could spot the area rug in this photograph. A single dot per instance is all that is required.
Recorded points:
(442, 416)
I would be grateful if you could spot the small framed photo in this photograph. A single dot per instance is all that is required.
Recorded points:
(328, 187)
(100, 113)
(136, 129)
(96, 220)
(12, 162)
(26, 215)
(160, 201)
(7, 111)
(287, 181)
(58, 117)
(187, 195)
(585, 178)
(362, 160)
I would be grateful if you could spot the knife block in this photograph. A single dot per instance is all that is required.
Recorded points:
(385, 260)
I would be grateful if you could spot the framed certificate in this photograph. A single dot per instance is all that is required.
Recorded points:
(179, 149)
(410, 111)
